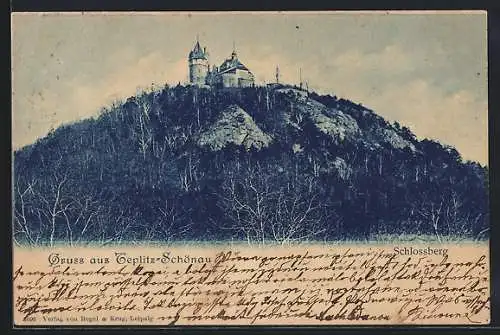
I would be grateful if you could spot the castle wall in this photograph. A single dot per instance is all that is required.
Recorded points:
(245, 78)
(238, 79)
(229, 80)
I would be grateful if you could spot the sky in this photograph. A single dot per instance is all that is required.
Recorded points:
(428, 71)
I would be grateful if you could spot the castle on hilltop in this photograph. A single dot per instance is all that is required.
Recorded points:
(231, 73)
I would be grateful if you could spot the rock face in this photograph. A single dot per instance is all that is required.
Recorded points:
(333, 123)
(339, 124)
(236, 127)
(392, 138)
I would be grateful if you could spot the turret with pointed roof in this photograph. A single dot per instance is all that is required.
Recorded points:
(198, 65)
(197, 52)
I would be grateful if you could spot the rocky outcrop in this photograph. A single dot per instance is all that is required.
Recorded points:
(334, 123)
(392, 138)
(236, 127)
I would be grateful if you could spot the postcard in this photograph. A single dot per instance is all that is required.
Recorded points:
(250, 168)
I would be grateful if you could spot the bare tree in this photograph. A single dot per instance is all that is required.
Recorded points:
(142, 130)
(431, 213)
(54, 211)
(23, 205)
(298, 217)
(191, 173)
(262, 206)
(113, 225)
(247, 204)
(172, 223)
(86, 208)
(55, 203)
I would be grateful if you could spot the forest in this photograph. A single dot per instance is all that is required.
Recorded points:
(271, 164)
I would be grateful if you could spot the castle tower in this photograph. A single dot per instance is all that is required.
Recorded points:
(198, 65)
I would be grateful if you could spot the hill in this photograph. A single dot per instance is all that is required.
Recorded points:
(253, 164)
